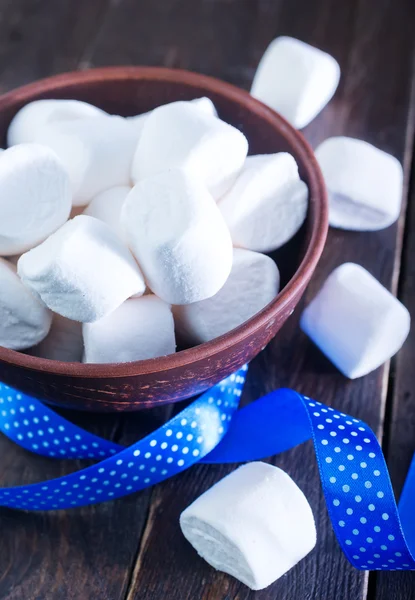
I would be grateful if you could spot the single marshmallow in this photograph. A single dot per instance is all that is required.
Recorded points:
(63, 342)
(181, 135)
(24, 319)
(364, 184)
(107, 206)
(267, 204)
(97, 153)
(253, 282)
(295, 79)
(356, 322)
(35, 197)
(30, 120)
(178, 236)
(255, 524)
(204, 104)
(140, 328)
(83, 271)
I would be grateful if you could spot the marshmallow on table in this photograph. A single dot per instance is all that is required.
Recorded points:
(356, 322)
(82, 271)
(253, 282)
(107, 206)
(32, 118)
(267, 204)
(295, 79)
(178, 236)
(35, 197)
(24, 319)
(181, 135)
(255, 524)
(64, 341)
(140, 328)
(97, 153)
(363, 182)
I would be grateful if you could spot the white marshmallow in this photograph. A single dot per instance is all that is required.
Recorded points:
(32, 118)
(83, 271)
(255, 524)
(35, 197)
(295, 79)
(267, 204)
(204, 104)
(178, 236)
(181, 135)
(140, 328)
(253, 282)
(97, 153)
(356, 322)
(63, 342)
(24, 319)
(364, 184)
(107, 206)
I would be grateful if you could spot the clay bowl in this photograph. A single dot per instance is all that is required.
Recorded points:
(143, 384)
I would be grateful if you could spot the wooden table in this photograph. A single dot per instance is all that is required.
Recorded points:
(132, 548)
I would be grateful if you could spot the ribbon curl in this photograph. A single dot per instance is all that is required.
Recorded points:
(373, 533)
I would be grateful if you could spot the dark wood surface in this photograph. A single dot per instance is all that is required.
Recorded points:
(132, 549)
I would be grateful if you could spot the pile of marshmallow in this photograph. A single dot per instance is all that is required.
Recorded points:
(170, 243)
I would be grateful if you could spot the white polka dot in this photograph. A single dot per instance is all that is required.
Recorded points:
(179, 435)
(355, 532)
(391, 537)
(369, 540)
(341, 467)
(180, 462)
(333, 433)
(350, 457)
(119, 461)
(376, 528)
(153, 443)
(336, 502)
(188, 438)
(383, 547)
(346, 488)
(337, 449)
(320, 426)
(355, 476)
(372, 455)
(342, 523)
(376, 473)
(385, 516)
(371, 507)
(329, 459)
(358, 498)
(363, 520)
(196, 452)
(380, 494)
(193, 424)
(348, 542)
(368, 484)
(349, 511)
(366, 440)
(398, 554)
(136, 452)
(185, 450)
(362, 549)
(169, 432)
(164, 445)
(359, 448)
(169, 460)
(316, 414)
(333, 480)
(363, 465)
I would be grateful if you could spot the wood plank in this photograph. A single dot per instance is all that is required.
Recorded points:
(84, 553)
(372, 41)
(400, 430)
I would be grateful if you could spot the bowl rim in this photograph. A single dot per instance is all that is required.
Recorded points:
(316, 237)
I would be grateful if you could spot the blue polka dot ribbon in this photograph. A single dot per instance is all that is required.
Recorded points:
(372, 531)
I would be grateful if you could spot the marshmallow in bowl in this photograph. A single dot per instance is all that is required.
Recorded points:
(204, 104)
(181, 135)
(139, 329)
(97, 153)
(253, 282)
(82, 271)
(64, 341)
(178, 236)
(24, 319)
(363, 182)
(255, 524)
(355, 321)
(35, 197)
(267, 204)
(29, 121)
(107, 206)
(295, 79)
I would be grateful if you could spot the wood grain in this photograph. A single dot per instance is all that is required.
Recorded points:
(98, 552)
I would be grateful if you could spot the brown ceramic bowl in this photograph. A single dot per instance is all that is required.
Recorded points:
(143, 384)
